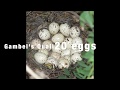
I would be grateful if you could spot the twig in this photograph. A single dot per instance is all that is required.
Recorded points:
(74, 13)
(32, 73)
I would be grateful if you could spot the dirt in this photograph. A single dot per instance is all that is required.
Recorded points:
(36, 20)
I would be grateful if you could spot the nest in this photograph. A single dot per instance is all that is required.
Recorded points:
(36, 20)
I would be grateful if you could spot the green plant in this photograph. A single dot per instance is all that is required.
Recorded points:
(65, 75)
(82, 71)
(86, 18)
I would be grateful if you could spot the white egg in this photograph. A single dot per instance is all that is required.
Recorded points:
(63, 63)
(51, 60)
(56, 48)
(44, 51)
(76, 42)
(67, 57)
(65, 29)
(58, 38)
(47, 45)
(44, 34)
(75, 51)
(40, 57)
(65, 52)
(53, 28)
(75, 57)
(68, 42)
(55, 55)
(74, 32)
(35, 44)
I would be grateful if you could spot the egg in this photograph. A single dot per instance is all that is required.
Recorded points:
(75, 51)
(65, 29)
(52, 61)
(44, 34)
(47, 45)
(53, 28)
(55, 55)
(56, 48)
(44, 51)
(65, 52)
(63, 63)
(36, 44)
(74, 32)
(67, 57)
(76, 42)
(68, 42)
(58, 38)
(40, 57)
(75, 57)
